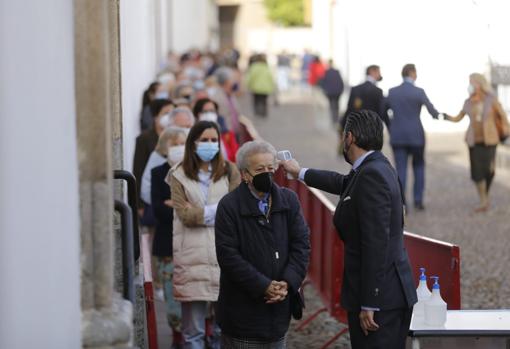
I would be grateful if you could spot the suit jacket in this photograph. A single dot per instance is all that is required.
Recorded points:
(369, 219)
(366, 96)
(160, 191)
(332, 83)
(406, 101)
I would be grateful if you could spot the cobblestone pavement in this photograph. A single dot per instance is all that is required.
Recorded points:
(303, 127)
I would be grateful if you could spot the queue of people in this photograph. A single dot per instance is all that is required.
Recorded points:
(211, 270)
(231, 248)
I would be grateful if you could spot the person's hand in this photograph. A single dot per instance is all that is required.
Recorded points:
(446, 117)
(140, 212)
(366, 321)
(291, 166)
(276, 292)
(443, 116)
(170, 203)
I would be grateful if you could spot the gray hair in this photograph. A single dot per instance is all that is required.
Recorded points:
(169, 134)
(176, 111)
(223, 75)
(249, 149)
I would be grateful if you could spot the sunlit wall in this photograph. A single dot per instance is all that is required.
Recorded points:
(447, 40)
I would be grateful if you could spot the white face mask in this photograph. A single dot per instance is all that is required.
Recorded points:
(164, 121)
(175, 154)
(471, 89)
(162, 95)
(185, 130)
(209, 116)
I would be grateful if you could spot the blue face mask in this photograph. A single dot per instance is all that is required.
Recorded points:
(206, 151)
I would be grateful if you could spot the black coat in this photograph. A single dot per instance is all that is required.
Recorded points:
(332, 83)
(160, 191)
(366, 96)
(145, 144)
(253, 251)
(369, 219)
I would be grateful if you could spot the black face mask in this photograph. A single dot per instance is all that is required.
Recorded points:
(263, 181)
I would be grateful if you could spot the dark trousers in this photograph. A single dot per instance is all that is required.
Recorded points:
(392, 332)
(334, 108)
(260, 104)
(483, 163)
(402, 153)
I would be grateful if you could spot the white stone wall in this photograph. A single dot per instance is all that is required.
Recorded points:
(39, 205)
(192, 24)
(138, 66)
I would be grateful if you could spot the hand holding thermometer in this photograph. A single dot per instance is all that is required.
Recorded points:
(285, 155)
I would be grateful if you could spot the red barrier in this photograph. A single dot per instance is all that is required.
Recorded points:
(439, 258)
(326, 259)
(150, 309)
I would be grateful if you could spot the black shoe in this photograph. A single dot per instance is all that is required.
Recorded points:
(419, 206)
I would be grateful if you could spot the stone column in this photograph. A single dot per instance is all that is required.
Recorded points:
(106, 318)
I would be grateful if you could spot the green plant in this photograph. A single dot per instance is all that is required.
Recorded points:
(288, 13)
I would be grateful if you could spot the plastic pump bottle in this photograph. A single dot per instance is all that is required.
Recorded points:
(424, 294)
(435, 308)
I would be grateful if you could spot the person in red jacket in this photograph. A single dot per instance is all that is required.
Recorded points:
(316, 71)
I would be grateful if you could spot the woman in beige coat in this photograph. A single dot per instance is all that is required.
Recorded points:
(197, 185)
(488, 126)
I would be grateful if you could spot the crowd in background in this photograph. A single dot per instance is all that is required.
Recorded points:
(191, 130)
(191, 116)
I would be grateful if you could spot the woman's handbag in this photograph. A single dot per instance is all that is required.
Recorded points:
(501, 125)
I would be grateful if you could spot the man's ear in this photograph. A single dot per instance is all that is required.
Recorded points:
(348, 135)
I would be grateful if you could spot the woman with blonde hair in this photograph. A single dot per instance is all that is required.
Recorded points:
(488, 126)
(197, 185)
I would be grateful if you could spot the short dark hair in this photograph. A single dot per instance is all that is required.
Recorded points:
(408, 69)
(191, 161)
(372, 67)
(199, 105)
(367, 129)
(151, 90)
(158, 104)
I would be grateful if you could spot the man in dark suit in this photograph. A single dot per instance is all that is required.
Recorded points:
(407, 136)
(367, 95)
(333, 87)
(378, 290)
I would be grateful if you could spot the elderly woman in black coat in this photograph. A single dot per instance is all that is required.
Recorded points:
(262, 245)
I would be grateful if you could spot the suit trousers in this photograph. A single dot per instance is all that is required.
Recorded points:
(392, 332)
(402, 153)
(334, 108)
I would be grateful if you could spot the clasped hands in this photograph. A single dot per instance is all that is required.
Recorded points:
(276, 292)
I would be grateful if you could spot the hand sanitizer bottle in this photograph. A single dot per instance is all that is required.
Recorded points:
(424, 294)
(435, 308)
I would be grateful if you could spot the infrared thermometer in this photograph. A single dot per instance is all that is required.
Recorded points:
(285, 155)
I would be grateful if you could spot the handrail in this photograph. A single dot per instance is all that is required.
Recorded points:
(132, 201)
(128, 261)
